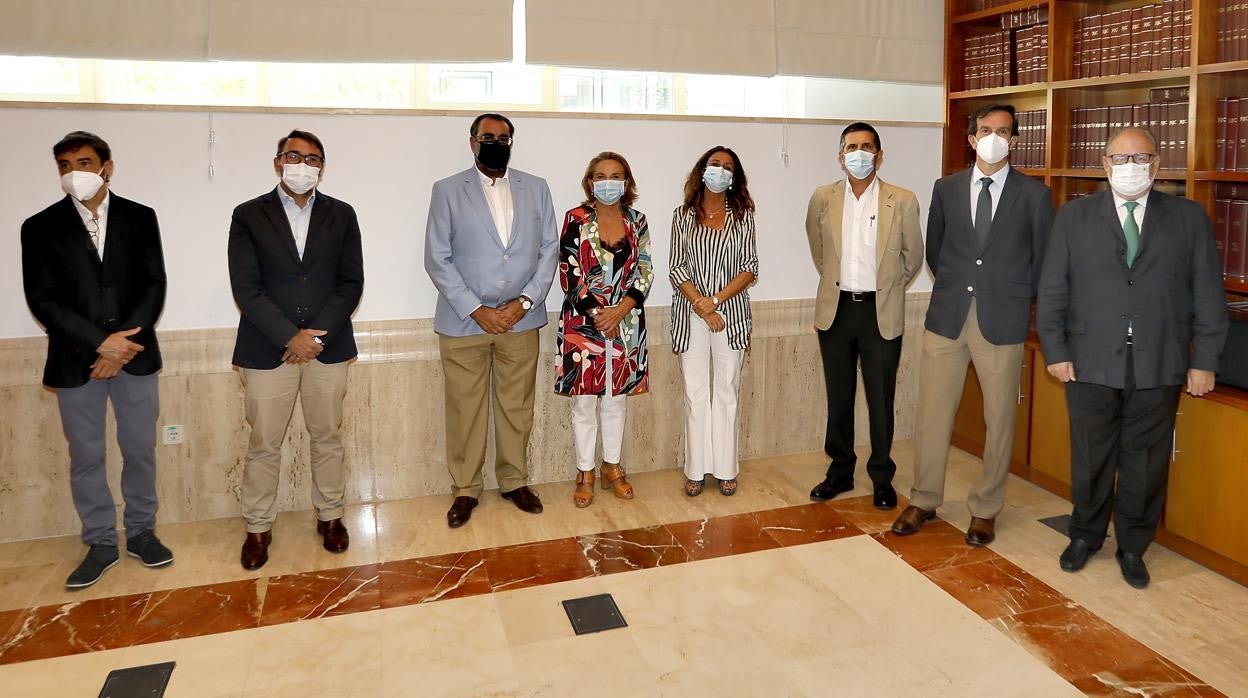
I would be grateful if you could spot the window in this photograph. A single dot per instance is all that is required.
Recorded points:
(731, 95)
(615, 91)
(500, 83)
(363, 86)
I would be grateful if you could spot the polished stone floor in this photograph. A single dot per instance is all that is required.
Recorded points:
(760, 594)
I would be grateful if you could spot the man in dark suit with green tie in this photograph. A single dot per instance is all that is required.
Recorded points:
(1130, 311)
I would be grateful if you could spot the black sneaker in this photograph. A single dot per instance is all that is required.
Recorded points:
(99, 559)
(148, 549)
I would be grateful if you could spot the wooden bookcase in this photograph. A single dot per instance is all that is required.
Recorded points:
(1210, 458)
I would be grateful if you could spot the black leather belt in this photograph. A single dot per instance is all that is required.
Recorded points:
(858, 296)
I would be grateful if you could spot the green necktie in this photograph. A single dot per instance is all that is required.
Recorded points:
(1131, 230)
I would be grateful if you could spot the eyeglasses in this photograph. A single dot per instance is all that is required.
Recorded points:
(93, 229)
(1137, 158)
(292, 157)
(491, 138)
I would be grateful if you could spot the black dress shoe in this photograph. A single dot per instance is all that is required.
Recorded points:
(149, 550)
(830, 487)
(1133, 569)
(460, 511)
(256, 550)
(885, 497)
(334, 536)
(524, 499)
(1076, 555)
(99, 559)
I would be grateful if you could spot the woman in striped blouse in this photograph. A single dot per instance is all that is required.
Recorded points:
(714, 262)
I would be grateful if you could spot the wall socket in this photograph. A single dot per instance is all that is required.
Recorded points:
(172, 434)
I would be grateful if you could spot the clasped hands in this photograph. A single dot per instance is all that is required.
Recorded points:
(114, 352)
(705, 308)
(303, 347)
(499, 320)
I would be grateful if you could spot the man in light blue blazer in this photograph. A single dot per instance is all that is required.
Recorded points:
(491, 247)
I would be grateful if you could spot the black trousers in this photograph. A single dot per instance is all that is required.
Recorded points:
(1125, 433)
(853, 336)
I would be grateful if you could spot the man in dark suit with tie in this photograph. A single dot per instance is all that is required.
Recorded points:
(94, 276)
(986, 234)
(297, 272)
(1131, 310)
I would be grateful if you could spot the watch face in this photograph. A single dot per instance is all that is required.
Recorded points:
(526, 304)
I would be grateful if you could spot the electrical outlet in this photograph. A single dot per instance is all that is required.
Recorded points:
(173, 434)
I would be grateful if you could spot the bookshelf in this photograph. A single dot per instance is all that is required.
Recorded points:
(1154, 66)
(1187, 81)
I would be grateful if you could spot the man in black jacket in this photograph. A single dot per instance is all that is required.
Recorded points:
(94, 276)
(1131, 309)
(297, 272)
(986, 233)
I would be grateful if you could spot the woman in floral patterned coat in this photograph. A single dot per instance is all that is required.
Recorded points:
(605, 272)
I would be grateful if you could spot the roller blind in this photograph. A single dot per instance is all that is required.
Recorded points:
(733, 37)
(138, 29)
(886, 40)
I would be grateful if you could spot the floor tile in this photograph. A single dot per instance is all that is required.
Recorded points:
(88, 626)
(632, 549)
(335, 592)
(1155, 679)
(722, 535)
(936, 545)
(862, 513)
(196, 611)
(421, 580)
(995, 588)
(534, 564)
(805, 523)
(1074, 642)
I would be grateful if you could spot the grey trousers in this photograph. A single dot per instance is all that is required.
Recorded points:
(135, 405)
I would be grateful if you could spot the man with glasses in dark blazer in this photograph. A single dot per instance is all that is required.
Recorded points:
(297, 272)
(94, 276)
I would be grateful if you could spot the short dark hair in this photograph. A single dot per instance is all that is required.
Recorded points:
(858, 126)
(476, 123)
(303, 136)
(77, 139)
(972, 124)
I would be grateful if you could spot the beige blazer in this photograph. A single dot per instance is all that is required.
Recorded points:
(898, 252)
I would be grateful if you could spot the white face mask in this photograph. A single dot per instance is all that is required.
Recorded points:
(716, 178)
(992, 148)
(860, 163)
(1130, 179)
(82, 185)
(609, 191)
(300, 177)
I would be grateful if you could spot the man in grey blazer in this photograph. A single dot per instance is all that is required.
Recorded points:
(986, 234)
(491, 247)
(1131, 309)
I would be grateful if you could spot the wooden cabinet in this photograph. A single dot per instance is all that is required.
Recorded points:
(969, 430)
(1209, 477)
(1049, 457)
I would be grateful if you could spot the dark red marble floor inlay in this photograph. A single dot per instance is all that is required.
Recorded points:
(635, 549)
(805, 523)
(293, 597)
(195, 611)
(421, 580)
(722, 535)
(535, 564)
(73, 628)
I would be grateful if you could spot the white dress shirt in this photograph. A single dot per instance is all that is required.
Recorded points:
(994, 189)
(299, 217)
(1121, 210)
(101, 220)
(498, 196)
(858, 235)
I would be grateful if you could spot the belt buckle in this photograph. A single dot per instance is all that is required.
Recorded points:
(856, 296)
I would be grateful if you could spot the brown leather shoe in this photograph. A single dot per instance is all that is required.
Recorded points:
(256, 550)
(911, 520)
(615, 479)
(524, 499)
(981, 532)
(460, 511)
(333, 535)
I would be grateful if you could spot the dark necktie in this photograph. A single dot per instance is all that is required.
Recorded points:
(983, 212)
(1131, 231)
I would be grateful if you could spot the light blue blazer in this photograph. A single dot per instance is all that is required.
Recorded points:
(466, 259)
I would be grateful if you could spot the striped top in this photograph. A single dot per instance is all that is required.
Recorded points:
(710, 258)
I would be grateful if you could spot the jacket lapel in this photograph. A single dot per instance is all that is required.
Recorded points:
(836, 215)
(115, 236)
(884, 222)
(80, 239)
(281, 225)
(1110, 217)
(481, 207)
(1009, 193)
(518, 202)
(316, 225)
(1154, 214)
(960, 207)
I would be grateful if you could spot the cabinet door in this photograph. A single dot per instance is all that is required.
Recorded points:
(1050, 424)
(1020, 457)
(968, 424)
(1209, 477)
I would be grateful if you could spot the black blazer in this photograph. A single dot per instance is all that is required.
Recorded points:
(80, 300)
(1003, 275)
(279, 294)
(1172, 295)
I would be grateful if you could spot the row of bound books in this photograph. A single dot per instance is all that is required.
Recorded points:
(1091, 128)
(1032, 130)
(1230, 228)
(1232, 134)
(1233, 30)
(1006, 57)
(977, 5)
(1134, 40)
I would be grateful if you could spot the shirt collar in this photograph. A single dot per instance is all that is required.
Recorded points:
(872, 188)
(998, 177)
(86, 212)
(287, 199)
(1142, 201)
(485, 179)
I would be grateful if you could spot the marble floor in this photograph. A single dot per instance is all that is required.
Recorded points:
(760, 594)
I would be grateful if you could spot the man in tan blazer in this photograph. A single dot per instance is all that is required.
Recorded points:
(867, 246)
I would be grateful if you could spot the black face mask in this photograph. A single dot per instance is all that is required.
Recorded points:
(493, 155)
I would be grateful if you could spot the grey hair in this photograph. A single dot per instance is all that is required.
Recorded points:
(1133, 129)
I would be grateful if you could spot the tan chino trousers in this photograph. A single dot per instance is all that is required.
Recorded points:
(269, 399)
(474, 367)
(941, 379)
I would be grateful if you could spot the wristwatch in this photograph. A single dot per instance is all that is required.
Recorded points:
(526, 303)
(595, 311)
(715, 300)
(318, 341)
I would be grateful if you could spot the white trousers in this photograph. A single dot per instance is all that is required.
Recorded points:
(712, 371)
(587, 410)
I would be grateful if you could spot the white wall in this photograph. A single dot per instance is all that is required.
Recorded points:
(385, 166)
